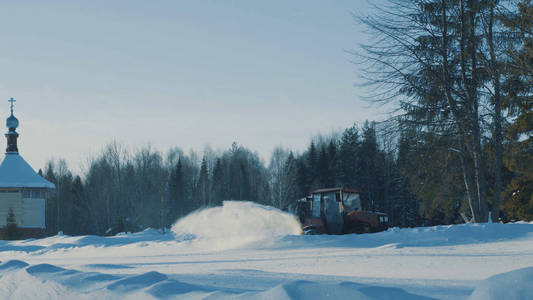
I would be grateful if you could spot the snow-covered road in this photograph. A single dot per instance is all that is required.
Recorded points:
(443, 262)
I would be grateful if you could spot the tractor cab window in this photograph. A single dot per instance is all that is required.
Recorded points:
(316, 206)
(332, 213)
(330, 204)
(352, 202)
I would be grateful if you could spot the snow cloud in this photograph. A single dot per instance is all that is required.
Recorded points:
(236, 224)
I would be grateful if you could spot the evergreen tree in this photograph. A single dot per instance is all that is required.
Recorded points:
(323, 169)
(176, 188)
(81, 220)
(51, 201)
(312, 176)
(203, 185)
(367, 167)
(244, 184)
(217, 185)
(333, 164)
(348, 155)
(302, 175)
(405, 210)
(518, 88)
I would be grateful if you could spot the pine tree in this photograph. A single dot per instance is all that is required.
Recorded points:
(333, 164)
(217, 184)
(367, 167)
(312, 167)
(323, 169)
(302, 175)
(51, 201)
(244, 184)
(405, 210)
(348, 154)
(178, 207)
(203, 185)
(518, 87)
(80, 210)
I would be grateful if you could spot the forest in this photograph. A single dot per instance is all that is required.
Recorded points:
(458, 146)
(123, 191)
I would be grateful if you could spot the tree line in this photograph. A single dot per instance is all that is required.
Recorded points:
(124, 191)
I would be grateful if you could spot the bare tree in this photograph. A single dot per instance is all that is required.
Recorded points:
(425, 56)
(277, 173)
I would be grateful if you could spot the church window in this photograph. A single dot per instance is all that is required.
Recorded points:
(38, 194)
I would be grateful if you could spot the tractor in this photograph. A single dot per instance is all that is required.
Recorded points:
(337, 211)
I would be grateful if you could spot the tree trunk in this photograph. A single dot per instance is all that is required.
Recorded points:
(476, 132)
(498, 151)
(468, 176)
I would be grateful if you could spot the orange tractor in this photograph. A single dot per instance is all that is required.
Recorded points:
(337, 211)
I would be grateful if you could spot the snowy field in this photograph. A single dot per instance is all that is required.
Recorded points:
(247, 251)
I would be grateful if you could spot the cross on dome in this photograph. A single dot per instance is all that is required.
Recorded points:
(12, 122)
(11, 100)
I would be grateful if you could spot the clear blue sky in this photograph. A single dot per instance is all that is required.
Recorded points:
(177, 73)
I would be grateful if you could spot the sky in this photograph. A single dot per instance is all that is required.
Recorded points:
(178, 73)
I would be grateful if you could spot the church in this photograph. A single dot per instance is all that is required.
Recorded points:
(22, 190)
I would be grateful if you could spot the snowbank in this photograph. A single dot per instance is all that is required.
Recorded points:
(236, 224)
(514, 285)
(64, 283)
(303, 289)
(444, 235)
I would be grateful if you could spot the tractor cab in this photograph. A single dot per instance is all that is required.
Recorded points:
(337, 211)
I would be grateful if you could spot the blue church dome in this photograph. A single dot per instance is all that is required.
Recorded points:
(12, 122)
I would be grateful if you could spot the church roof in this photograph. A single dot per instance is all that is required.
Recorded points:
(16, 172)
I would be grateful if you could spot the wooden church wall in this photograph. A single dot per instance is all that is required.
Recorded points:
(29, 213)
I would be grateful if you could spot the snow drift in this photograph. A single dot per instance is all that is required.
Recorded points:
(235, 224)
(419, 237)
(513, 285)
(303, 289)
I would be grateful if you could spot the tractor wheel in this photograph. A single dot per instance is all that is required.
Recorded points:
(311, 231)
